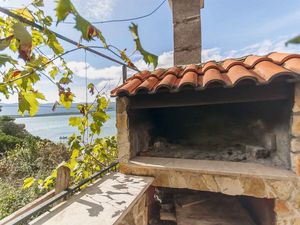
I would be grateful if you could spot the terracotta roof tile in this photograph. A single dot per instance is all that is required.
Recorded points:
(228, 73)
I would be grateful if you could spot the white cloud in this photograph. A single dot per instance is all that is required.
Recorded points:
(95, 9)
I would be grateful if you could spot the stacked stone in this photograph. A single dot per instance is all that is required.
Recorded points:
(123, 129)
(295, 132)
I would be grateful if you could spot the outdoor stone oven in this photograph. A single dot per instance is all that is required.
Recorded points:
(216, 130)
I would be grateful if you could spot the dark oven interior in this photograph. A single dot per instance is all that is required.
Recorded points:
(183, 206)
(241, 132)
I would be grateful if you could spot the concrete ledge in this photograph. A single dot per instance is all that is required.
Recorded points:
(230, 178)
(105, 202)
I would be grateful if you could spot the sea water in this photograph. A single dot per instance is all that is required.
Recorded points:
(57, 128)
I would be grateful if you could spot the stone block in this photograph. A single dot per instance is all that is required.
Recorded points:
(296, 125)
(282, 208)
(295, 145)
(296, 221)
(296, 107)
(122, 104)
(230, 185)
(122, 121)
(295, 163)
(282, 189)
(254, 187)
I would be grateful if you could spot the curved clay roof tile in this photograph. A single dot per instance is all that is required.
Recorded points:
(280, 58)
(189, 78)
(261, 69)
(267, 70)
(212, 76)
(293, 65)
(237, 73)
(252, 60)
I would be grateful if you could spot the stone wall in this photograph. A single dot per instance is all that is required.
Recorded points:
(295, 132)
(122, 121)
(285, 191)
(138, 214)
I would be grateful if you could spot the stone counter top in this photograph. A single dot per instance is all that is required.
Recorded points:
(105, 202)
(215, 167)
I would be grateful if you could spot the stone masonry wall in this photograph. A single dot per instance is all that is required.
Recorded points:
(295, 132)
(123, 129)
(138, 215)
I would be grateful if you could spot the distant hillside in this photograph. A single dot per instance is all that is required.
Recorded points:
(45, 109)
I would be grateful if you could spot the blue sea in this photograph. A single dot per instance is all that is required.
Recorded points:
(57, 127)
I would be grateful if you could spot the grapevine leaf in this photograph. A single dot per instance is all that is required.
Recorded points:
(295, 40)
(148, 57)
(24, 12)
(4, 90)
(100, 116)
(37, 38)
(53, 72)
(40, 95)
(14, 45)
(66, 98)
(126, 58)
(65, 80)
(88, 31)
(6, 59)
(63, 9)
(25, 39)
(5, 42)
(28, 102)
(91, 88)
(38, 3)
(74, 121)
(53, 43)
(28, 182)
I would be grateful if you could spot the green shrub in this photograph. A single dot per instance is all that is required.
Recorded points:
(8, 142)
(34, 157)
(13, 198)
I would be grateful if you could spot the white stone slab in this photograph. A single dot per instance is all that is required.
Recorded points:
(105, 202)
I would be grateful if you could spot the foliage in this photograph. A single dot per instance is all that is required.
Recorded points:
(295, 40)
(88, 152)
(13, 198)
(11, 133)
(33, 162)
(31, 157)
(18, 38)
(148, 57)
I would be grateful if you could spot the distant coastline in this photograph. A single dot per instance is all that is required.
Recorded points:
(44, 110)
(46, 114)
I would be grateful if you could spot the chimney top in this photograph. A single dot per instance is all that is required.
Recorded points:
(187, 31)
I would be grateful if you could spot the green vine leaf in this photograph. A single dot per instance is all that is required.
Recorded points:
(24, 12)
(148, 57)
(66, 98)
(28, 102)
(295, 40)
(53, 42)
(6, 59)
(38, 3)
(25, 41)
(63, 9)
(91, 88)
(88, 31)
(28, 182)
(74, 121)
(5, 42)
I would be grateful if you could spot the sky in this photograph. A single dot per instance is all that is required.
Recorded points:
(230, 28)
